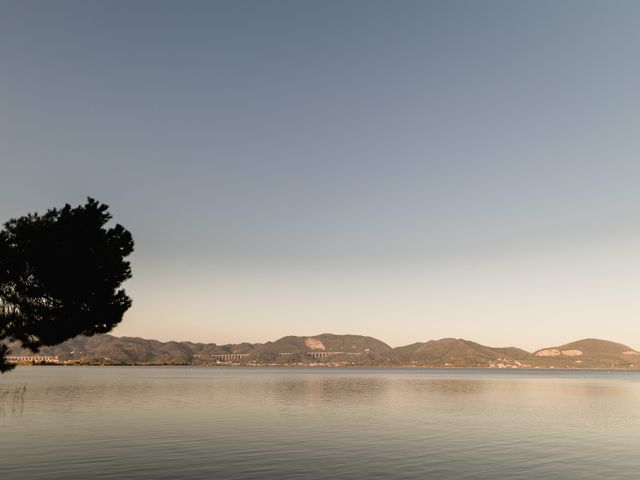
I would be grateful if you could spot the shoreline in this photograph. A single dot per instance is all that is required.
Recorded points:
(333, 367)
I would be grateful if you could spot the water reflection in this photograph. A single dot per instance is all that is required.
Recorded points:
(12, 401)
(303, 423)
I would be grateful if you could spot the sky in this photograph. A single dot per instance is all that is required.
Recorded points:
(409, 170)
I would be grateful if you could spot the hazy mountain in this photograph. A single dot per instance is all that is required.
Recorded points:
(342, 350)
(588, 353)
(125, 350)
(459, 353)
(326, 342)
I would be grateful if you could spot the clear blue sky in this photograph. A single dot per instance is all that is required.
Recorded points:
(404, 169)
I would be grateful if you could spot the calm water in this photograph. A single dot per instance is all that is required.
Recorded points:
(237, 423)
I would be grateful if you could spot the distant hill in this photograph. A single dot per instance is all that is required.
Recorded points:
(588, 353)
(291, 349)
(452, 352)
(347, 350)
(326, 342)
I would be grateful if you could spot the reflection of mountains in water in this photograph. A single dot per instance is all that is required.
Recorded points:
(354, 350)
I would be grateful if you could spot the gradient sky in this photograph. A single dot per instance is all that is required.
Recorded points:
(402, 169)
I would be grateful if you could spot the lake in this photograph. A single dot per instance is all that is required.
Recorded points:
(305, 423)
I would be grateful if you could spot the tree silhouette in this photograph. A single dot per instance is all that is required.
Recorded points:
(60, 276)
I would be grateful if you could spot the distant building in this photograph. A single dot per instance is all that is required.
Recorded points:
(33, 359)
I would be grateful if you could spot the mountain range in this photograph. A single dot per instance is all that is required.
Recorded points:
(341, 350)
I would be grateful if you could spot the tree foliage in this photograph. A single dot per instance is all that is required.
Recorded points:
(60, 276)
